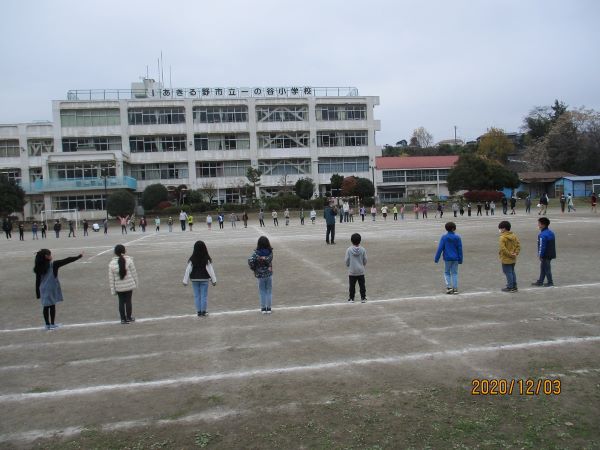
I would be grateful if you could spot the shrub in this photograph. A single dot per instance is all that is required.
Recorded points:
(164, 204)
(153, 195)
(522, 194)
(483, 196)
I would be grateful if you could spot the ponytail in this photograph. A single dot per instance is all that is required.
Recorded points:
(41, 262)
(120, 251)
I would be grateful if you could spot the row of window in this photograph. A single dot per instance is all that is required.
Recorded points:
(9, 148)
(67, 171)
(209, 114)
(408, 176)
(98, 143)
(164, 171)
(13, 174)
(81, 202)
(348, 165)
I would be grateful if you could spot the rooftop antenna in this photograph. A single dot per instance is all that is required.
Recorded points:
(147, 76)
(170, 80)
(162, 75)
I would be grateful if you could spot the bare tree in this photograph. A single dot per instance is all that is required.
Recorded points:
(209, 190)
(283, 181)
(422, 138)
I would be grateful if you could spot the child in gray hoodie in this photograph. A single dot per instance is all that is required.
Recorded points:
(356, 260)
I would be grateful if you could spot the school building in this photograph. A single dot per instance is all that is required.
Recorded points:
(103, 140)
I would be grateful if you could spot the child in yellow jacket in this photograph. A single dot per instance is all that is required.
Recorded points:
(509, 250)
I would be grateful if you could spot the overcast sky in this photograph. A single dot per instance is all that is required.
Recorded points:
(433, 63)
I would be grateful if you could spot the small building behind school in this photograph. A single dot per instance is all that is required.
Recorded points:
(538, 183)
(400, 177)
(578, 186)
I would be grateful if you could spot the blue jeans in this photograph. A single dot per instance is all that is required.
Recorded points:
(545, 271)
(451, 274)
(511, 276)
(200, 295)
(265, 291)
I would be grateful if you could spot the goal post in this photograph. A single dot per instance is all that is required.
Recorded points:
(63, 215)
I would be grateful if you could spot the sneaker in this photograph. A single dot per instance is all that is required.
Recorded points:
(49, 327)
(507, 289)
(449, 291)
(269, 311)
(199, 313)
(131, 319)
(350, 300)
(455, 291)
(363, 300)
(204, 313)
(263, 310)
(124, 322)
(548, 284)
(537, 283)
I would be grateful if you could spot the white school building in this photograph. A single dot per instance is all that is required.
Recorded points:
(103, 140)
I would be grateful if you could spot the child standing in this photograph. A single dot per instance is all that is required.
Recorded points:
(261, 263)
(451, 246)
(47, 286)
(509, 250)
(356, 260)
(21, 231)
(200, 271)
(546, 246)
(123, 279)
(157, 223)
(34, 230)
(209, 221)
(313, 215)
(286, 214)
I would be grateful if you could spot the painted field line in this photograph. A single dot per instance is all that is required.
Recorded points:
(112, 247)
(268, 371)
(337, 304)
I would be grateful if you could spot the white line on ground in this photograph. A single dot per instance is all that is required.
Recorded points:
(333, 365)
(111, 248)
(442, 297)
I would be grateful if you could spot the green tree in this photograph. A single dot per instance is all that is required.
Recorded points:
(472, 172)
(253, 175)
(336, 183)
(153, 195)
(120, 203)
(304, 188)
(540, 119)
(12, 196)
(495, 145)
(194, 196)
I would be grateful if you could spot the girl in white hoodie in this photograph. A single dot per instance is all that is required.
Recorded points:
(200, 271)
(123, 279)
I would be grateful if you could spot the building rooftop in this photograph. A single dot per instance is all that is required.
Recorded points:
(542, 177)
(415, 162)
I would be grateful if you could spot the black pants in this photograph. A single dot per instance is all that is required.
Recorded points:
(352, 279)
(182, 222)
(125, 304)
(261, 222)
(49, 313)
(330, 231)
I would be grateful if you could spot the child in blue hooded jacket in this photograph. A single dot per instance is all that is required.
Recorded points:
(451, 246)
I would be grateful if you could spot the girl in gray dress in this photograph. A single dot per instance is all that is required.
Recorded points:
(47, 286)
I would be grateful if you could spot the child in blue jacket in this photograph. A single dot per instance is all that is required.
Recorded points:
(451, 246)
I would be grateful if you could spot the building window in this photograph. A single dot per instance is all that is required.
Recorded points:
(36, 147)
(239, 141)
(35, 173)
(421, 175)
(394, 176)
(96, 143)
(90, 117)
(341, 138)
(148, 144)
(156, 116)
(162, 171)
(74, 171)
(9, 148)
(283, 140)
(220, 114)
(213, 169)
(234, 195)
(344, 165)
(341, 112)
(12, 174)
(287, 113)
(83, 202)
(284, 166)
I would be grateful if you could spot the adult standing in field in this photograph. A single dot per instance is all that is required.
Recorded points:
(47, 285)
(123, 279)
(57, 227)
(563, 203)
(200, 271)
(329, 214)
(183, 219)
(593, 201)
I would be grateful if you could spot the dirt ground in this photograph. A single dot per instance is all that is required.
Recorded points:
(395, 372)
